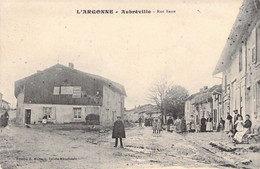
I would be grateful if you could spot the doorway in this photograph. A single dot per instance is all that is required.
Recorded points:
(27, 116)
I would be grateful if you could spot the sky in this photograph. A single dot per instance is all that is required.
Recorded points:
(134, 50)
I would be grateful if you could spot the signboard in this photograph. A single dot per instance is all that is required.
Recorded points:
(66, 90)
(56, 91)
(76, 92)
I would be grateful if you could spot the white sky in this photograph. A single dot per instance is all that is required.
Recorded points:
(133, 50)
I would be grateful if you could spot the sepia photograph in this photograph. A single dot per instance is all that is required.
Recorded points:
(95, 84)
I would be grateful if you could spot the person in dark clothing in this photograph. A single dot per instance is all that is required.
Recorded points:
(118, 131)
(183, 125)
(221, 125)
(235, 120)
(248, 123)
(169, 123)
(203, 124)
(4, 119)
(140, 121)
(228, 123)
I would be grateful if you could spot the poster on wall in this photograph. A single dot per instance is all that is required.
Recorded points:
(56, 90)
(76, 92)
(66, 90)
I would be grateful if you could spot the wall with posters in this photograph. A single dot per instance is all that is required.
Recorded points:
(67, 95)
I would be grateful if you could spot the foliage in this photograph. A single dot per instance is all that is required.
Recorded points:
(169, 98)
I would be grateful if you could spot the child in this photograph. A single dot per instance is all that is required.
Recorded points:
(239, 123)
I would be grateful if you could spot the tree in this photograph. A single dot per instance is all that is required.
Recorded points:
(175, 101)
(169, 98)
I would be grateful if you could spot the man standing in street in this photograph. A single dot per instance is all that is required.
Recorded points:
(118, 131)
(140, 121)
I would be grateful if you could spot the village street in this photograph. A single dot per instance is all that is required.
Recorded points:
(39, 147)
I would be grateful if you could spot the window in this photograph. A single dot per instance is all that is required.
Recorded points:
(240, 60)
(77, 113)
(50, 112)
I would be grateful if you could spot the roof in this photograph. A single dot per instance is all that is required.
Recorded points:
(205, 94)
(5, 101)
(118, 87)
(147, 108)
(248, 16)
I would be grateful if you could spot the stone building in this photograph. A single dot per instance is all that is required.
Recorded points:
(239, 63)
(205, 103)
(67, 95)
(143, 111)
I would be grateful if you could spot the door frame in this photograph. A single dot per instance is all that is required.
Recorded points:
(25, 116)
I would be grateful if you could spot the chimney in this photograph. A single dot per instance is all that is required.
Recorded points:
(205, 87)
(71, 65)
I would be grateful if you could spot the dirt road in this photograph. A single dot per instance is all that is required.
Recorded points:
(41, 148)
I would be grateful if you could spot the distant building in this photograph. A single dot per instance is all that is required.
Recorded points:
(4, 105)
(144, 111)
(239, 63)
(67, 95)
(204, 103)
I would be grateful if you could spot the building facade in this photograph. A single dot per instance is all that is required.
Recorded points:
(239, 64)
(4, 105)
(205, 103)
(67, 95)
(144, 111)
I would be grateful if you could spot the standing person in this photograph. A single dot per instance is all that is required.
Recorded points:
(192, 126)
(236, 116)
(221, 125)
(203, 124)
(222, 122)
(178, 124)
(140, 121)
(228, 123)
(4, 119)
(154, 125)
(159, 125)
(169, 123)
(183, 125)
(209, 124)
(118, 131)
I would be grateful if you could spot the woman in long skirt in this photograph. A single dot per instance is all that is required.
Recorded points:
(178, 125)
(159, 126)
(209, 124)
(228, 123)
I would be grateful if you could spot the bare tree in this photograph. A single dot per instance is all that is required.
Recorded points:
(169, 98)
(158, 93)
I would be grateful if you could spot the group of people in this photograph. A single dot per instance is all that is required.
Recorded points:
(206, 124)
(237, 128)
(157, 125)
